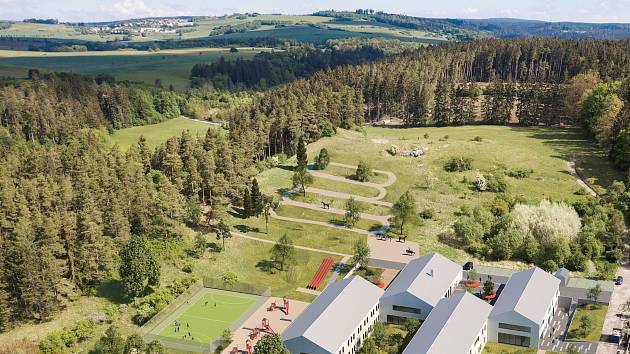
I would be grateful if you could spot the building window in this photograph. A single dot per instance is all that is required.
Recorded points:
(514, 339)
(396, 319)
(407, 309)
(514, 327)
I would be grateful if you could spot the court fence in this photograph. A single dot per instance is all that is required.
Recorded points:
(239, 287)
(170, 308)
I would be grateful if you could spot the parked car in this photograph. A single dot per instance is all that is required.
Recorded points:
(619, 280)
(468, 266)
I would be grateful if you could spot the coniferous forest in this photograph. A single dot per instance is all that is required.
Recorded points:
(69, 200)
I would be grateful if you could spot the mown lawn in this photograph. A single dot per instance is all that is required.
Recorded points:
(317, 199)
(334, 219)
(156, 134)
(597, 313)
(497, 348)
(349, 173)
(343, 187)
(314, 236)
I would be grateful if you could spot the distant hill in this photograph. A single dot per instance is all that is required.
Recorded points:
(274, 30)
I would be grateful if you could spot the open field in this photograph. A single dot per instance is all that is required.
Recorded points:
(204, 321)
(293, 27)
(251, 261)
(349, 173)
(156, 134)
(545, 150)
(597, 313)
(349, 188)
(170, 66)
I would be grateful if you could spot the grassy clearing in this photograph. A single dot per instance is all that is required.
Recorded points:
(349, 174)
(597, 314)
(333, 219)
(343, 187)
(317, 199)
(314, 236)
(497, 348)
(251, 261)
(171, 67)
(156, 134)
(545, 150)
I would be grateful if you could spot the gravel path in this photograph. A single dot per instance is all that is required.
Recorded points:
(580, 181)
(383, 219)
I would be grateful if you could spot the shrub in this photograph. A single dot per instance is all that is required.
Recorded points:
(520, 173)
(458, 164)
(363, 172)
(426, 135)
(427, 213)
(393, 150)
(148, 306)
(496, 183)
(322, 160)
(478, 138)
(549, 265)
(546, 222)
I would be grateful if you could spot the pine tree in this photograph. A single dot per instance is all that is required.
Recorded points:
(247, 204)
(256, 199)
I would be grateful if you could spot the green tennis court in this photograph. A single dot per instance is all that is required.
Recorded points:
(205, 319)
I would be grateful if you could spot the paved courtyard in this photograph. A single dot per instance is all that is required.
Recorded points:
(278, 321)
(390, 253)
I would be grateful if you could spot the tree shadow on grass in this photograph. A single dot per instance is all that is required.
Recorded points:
(214, 247)
(246, 228)
(112, 290)
(287, 168)
(266, 266)
(450, 239)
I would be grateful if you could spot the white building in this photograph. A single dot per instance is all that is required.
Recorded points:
(338, 321)
(419, 287)
(457, 325)
(524, 309)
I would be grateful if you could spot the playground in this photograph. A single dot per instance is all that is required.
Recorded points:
(197, 324)
(272, 317)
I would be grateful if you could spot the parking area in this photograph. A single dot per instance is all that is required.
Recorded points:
(619, 297)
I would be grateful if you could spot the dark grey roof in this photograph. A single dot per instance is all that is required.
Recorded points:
(528, 293)
(427, 278)
(451, 327)
(336, 313)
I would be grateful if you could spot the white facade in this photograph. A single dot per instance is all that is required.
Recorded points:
(419, 287)
(524, 309)
(338, 321)
(457, 325)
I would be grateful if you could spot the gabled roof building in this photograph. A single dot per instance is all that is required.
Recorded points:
(525, 308)
(419, 287)
(338, 321)
(457, 325)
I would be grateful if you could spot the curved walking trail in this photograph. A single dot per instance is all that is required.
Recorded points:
(382, 219)
(580, 181)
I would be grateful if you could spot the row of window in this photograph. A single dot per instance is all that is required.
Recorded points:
(514, 327)
(352, 345)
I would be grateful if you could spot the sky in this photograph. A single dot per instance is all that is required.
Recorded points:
(105, 10)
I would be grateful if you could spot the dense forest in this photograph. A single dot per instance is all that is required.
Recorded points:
(68, 208)
(526, 82)
(56, 106)
(271, 69)
(69, 200)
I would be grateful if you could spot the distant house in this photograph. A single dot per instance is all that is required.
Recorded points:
(524, 309)
(457, 325)
(338, 321)
(419, 287)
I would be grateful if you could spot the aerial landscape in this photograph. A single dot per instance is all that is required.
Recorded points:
(336, 177)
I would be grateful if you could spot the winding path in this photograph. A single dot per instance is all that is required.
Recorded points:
(578, 178)
(382, 219)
